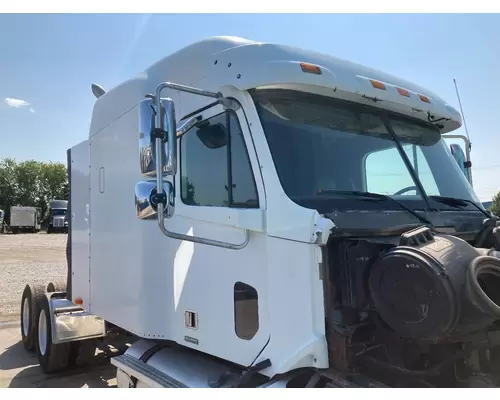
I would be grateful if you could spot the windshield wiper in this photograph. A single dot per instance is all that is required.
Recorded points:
(452, 201)
(376, 196)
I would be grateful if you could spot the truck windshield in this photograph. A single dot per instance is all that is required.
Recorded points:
(58, 212)
(321, 145)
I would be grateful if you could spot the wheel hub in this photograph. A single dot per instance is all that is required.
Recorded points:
(42, 332)
(26, 317)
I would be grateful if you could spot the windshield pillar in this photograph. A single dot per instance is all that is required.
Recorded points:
(406, 160)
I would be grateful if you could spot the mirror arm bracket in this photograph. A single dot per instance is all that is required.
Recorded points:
(229, 104)
(161, 199)
(158, 133)
(226, 103)
(209, 242)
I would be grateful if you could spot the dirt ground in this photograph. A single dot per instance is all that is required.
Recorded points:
(25, 258)
(19, 368)
(37, 258)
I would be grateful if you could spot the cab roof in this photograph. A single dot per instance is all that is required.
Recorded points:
(245, 64)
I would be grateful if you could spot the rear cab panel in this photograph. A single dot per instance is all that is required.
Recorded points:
(80, 223)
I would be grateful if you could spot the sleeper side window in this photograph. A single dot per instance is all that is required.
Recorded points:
(215, 167)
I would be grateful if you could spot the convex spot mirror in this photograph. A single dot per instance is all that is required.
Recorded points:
(145, 206)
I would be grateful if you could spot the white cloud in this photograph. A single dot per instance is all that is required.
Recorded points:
(16, 103)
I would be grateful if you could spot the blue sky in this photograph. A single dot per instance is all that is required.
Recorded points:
(50, 61)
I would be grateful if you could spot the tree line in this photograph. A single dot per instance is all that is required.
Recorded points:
(36, 183)
(31, 183)
(495, 206)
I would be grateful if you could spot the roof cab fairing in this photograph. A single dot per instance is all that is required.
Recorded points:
(273, 66)
(228, 61)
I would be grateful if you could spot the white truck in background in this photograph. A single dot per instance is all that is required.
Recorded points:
(248, 214)
(25, 219)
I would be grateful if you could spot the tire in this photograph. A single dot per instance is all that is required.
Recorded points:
(52, 357)
(82, 353)
(57, 286)
(49, 230)
(30, 296)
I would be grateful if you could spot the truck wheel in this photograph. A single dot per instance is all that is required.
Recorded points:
(30, 296)
(52, 357)
(58, 286)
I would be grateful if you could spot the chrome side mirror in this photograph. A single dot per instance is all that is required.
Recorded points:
(158, 135)
(158, 157)
(148, 122)
(463, 160)
(145, 195)
(459, 156)
(147, 143)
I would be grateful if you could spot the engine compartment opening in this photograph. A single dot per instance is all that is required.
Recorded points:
(423, 306)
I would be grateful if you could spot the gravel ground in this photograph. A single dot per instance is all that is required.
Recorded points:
(28, 258)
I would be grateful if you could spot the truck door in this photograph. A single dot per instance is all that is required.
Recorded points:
(220, 294)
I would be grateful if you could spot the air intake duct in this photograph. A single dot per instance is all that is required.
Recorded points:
(435, 287)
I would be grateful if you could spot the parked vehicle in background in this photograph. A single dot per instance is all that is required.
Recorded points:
(58, 219)
(25, 219)
(2, 216)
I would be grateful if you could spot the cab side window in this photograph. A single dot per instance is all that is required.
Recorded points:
(215, 167)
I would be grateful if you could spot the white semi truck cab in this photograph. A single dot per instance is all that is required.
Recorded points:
(254, 215)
